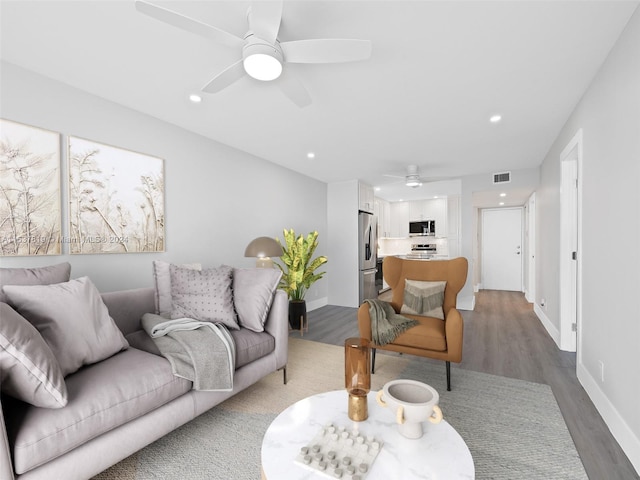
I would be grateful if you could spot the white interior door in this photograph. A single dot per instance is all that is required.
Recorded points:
(502, 249)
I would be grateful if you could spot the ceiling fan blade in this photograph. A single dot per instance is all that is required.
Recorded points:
(188, 24)
(327, 50)
(229, 75)
(264, 19)
(294, 90)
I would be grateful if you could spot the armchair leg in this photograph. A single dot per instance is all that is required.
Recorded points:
(373, 360)
(448, 376)
(284, 374)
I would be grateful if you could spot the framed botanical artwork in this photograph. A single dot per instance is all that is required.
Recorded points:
(116, 199)
(30, 220)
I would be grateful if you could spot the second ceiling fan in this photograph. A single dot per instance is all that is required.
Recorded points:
(262, 55)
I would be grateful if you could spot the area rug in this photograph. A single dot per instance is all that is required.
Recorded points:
(514, 429)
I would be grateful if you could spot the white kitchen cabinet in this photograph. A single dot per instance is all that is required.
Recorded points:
(382, 210)
(453, 225)
(399, 219)
(365, 197)
(437, 208)
(417, 211)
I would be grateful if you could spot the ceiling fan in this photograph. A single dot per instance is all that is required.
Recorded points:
(262, 54)
(412, 178)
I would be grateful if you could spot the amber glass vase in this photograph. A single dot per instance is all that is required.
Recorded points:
(357, 376)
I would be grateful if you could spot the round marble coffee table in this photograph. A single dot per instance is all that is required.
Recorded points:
(440, 453)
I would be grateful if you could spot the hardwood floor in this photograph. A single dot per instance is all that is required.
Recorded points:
(503, 336)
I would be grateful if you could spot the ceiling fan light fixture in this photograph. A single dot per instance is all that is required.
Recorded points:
(261, 61)
(413, 181)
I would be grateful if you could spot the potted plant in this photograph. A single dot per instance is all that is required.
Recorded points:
(298, 272)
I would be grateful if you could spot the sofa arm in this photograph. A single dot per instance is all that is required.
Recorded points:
(277, 325)
(6, 468)
(454, 330)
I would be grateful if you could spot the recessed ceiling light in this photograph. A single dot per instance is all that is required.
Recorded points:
(501, 203)
(377, 189)
(503, 194)
(435, 196)
(195, 98)
(311, 155)
(495, 118)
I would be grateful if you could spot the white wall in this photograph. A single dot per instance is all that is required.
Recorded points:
(342, 212)
(609, 116)
(210, 214)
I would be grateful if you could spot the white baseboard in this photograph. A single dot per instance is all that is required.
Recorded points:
(477, 287)
(527, 296)
(546, 323)
(620, 430)
(466, 303)
(317, 303)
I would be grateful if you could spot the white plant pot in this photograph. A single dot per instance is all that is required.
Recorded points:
(413, 403)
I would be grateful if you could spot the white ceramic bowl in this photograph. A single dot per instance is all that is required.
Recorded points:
(413, 402)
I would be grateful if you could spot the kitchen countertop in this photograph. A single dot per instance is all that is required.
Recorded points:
(424, 256)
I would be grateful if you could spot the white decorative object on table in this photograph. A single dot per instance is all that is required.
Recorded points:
(339, 453)
(413, 403)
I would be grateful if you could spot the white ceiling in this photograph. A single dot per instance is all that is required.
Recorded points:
(438, 71)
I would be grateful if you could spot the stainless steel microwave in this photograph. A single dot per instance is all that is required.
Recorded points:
(422, 228)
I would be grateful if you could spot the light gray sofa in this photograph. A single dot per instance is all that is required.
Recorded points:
(125, 402)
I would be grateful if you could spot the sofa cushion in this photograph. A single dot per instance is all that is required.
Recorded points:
(428, 334)
(251, 345)
(102, 396)
(203, 295)
(34, 276)
(28, 369)
(253, 291)
(73, 320)
(423, 298)
(142, 341)
(162, 280)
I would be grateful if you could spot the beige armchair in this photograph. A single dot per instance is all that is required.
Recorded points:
(432, 337)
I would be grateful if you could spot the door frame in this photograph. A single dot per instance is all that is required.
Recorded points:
(530, 239)
(571, 240)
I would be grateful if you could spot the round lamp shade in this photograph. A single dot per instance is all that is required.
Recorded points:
(263, 247)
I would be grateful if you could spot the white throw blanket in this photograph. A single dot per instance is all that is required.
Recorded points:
(203, 352)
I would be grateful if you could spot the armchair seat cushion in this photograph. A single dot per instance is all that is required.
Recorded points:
(428, 335)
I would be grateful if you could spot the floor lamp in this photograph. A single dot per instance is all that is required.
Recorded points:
(263, 248)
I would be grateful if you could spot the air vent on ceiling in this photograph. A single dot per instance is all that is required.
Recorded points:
(502, 177)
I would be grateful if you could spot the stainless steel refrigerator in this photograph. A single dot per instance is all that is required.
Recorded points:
(367, 228)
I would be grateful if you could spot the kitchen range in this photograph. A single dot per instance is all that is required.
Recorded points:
(422, 251)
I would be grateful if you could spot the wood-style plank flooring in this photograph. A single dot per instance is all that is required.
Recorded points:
(503, 336)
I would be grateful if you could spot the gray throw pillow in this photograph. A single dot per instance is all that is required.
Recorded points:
(72, 319)
(162, 279)
(253, 291)
(423, 298)
(34, 276)
(28, 369)
(203, 295)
